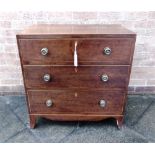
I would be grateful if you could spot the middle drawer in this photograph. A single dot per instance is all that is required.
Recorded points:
(44, 77)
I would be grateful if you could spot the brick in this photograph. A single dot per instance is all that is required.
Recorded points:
(5, 24)
(142, 72)
(12, 32)
(21, 24)
(151, 24)
(29, 15)
(145, 48)
(141, 15)
(9, 48)
(59, 15)
(141, 47)
(151, 48)
(127, 24)
(2, 41)
(9, 69)
(10, 15)
(139, 30)
(150, 32)
(144, 59)
(57, 21)
(9, 82)
(110, 16)
(144, 63)
(151, 82)
(2, 61)
(10, 75)
(152, 15)
(131, 90)
(21, 81)
(59, 18)
(42, 22)
(136, 16)
(84, 21)
(15, 62)
(84, 15)
(134, 82)
(5, 89)
(2, 32)
(142, 56)
(39, 15)
(9, 56)
(150, 40)
(142, 39)
(12, 93)
(18, 89)
(10, 40)
(145, 90)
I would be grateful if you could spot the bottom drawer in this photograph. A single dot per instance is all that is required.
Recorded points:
(76, 102)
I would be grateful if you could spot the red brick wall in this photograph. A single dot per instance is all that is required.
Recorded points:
(143, 23)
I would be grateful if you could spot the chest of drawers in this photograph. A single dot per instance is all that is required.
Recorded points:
(76, 72)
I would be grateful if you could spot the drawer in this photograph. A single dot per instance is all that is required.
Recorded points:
(47, 77)
(90, 51)
(76, 101)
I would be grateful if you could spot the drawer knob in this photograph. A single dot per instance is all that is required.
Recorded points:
(46, 77)
(104, 78)
(107, 51)
(102, 103)
(44, 51)
(49, 103)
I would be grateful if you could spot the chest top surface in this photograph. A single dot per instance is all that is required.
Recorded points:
(50, 30)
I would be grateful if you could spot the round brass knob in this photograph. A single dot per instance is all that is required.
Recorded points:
(49, 103)
(44, 51)
(46, 77)
(104, 78)
(107, 51)
(102, 103)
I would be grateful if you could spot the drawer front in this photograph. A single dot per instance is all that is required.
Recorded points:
(90, 51)
(76, 101)
(44, 77)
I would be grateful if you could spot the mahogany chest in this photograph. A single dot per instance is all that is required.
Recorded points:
(76, 72)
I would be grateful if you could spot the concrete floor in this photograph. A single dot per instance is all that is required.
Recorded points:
(139, 125)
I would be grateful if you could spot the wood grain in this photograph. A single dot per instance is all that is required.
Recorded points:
(76, 101)
(90, 51)
(85, 77)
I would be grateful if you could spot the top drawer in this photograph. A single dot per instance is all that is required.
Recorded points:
(89, 51)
